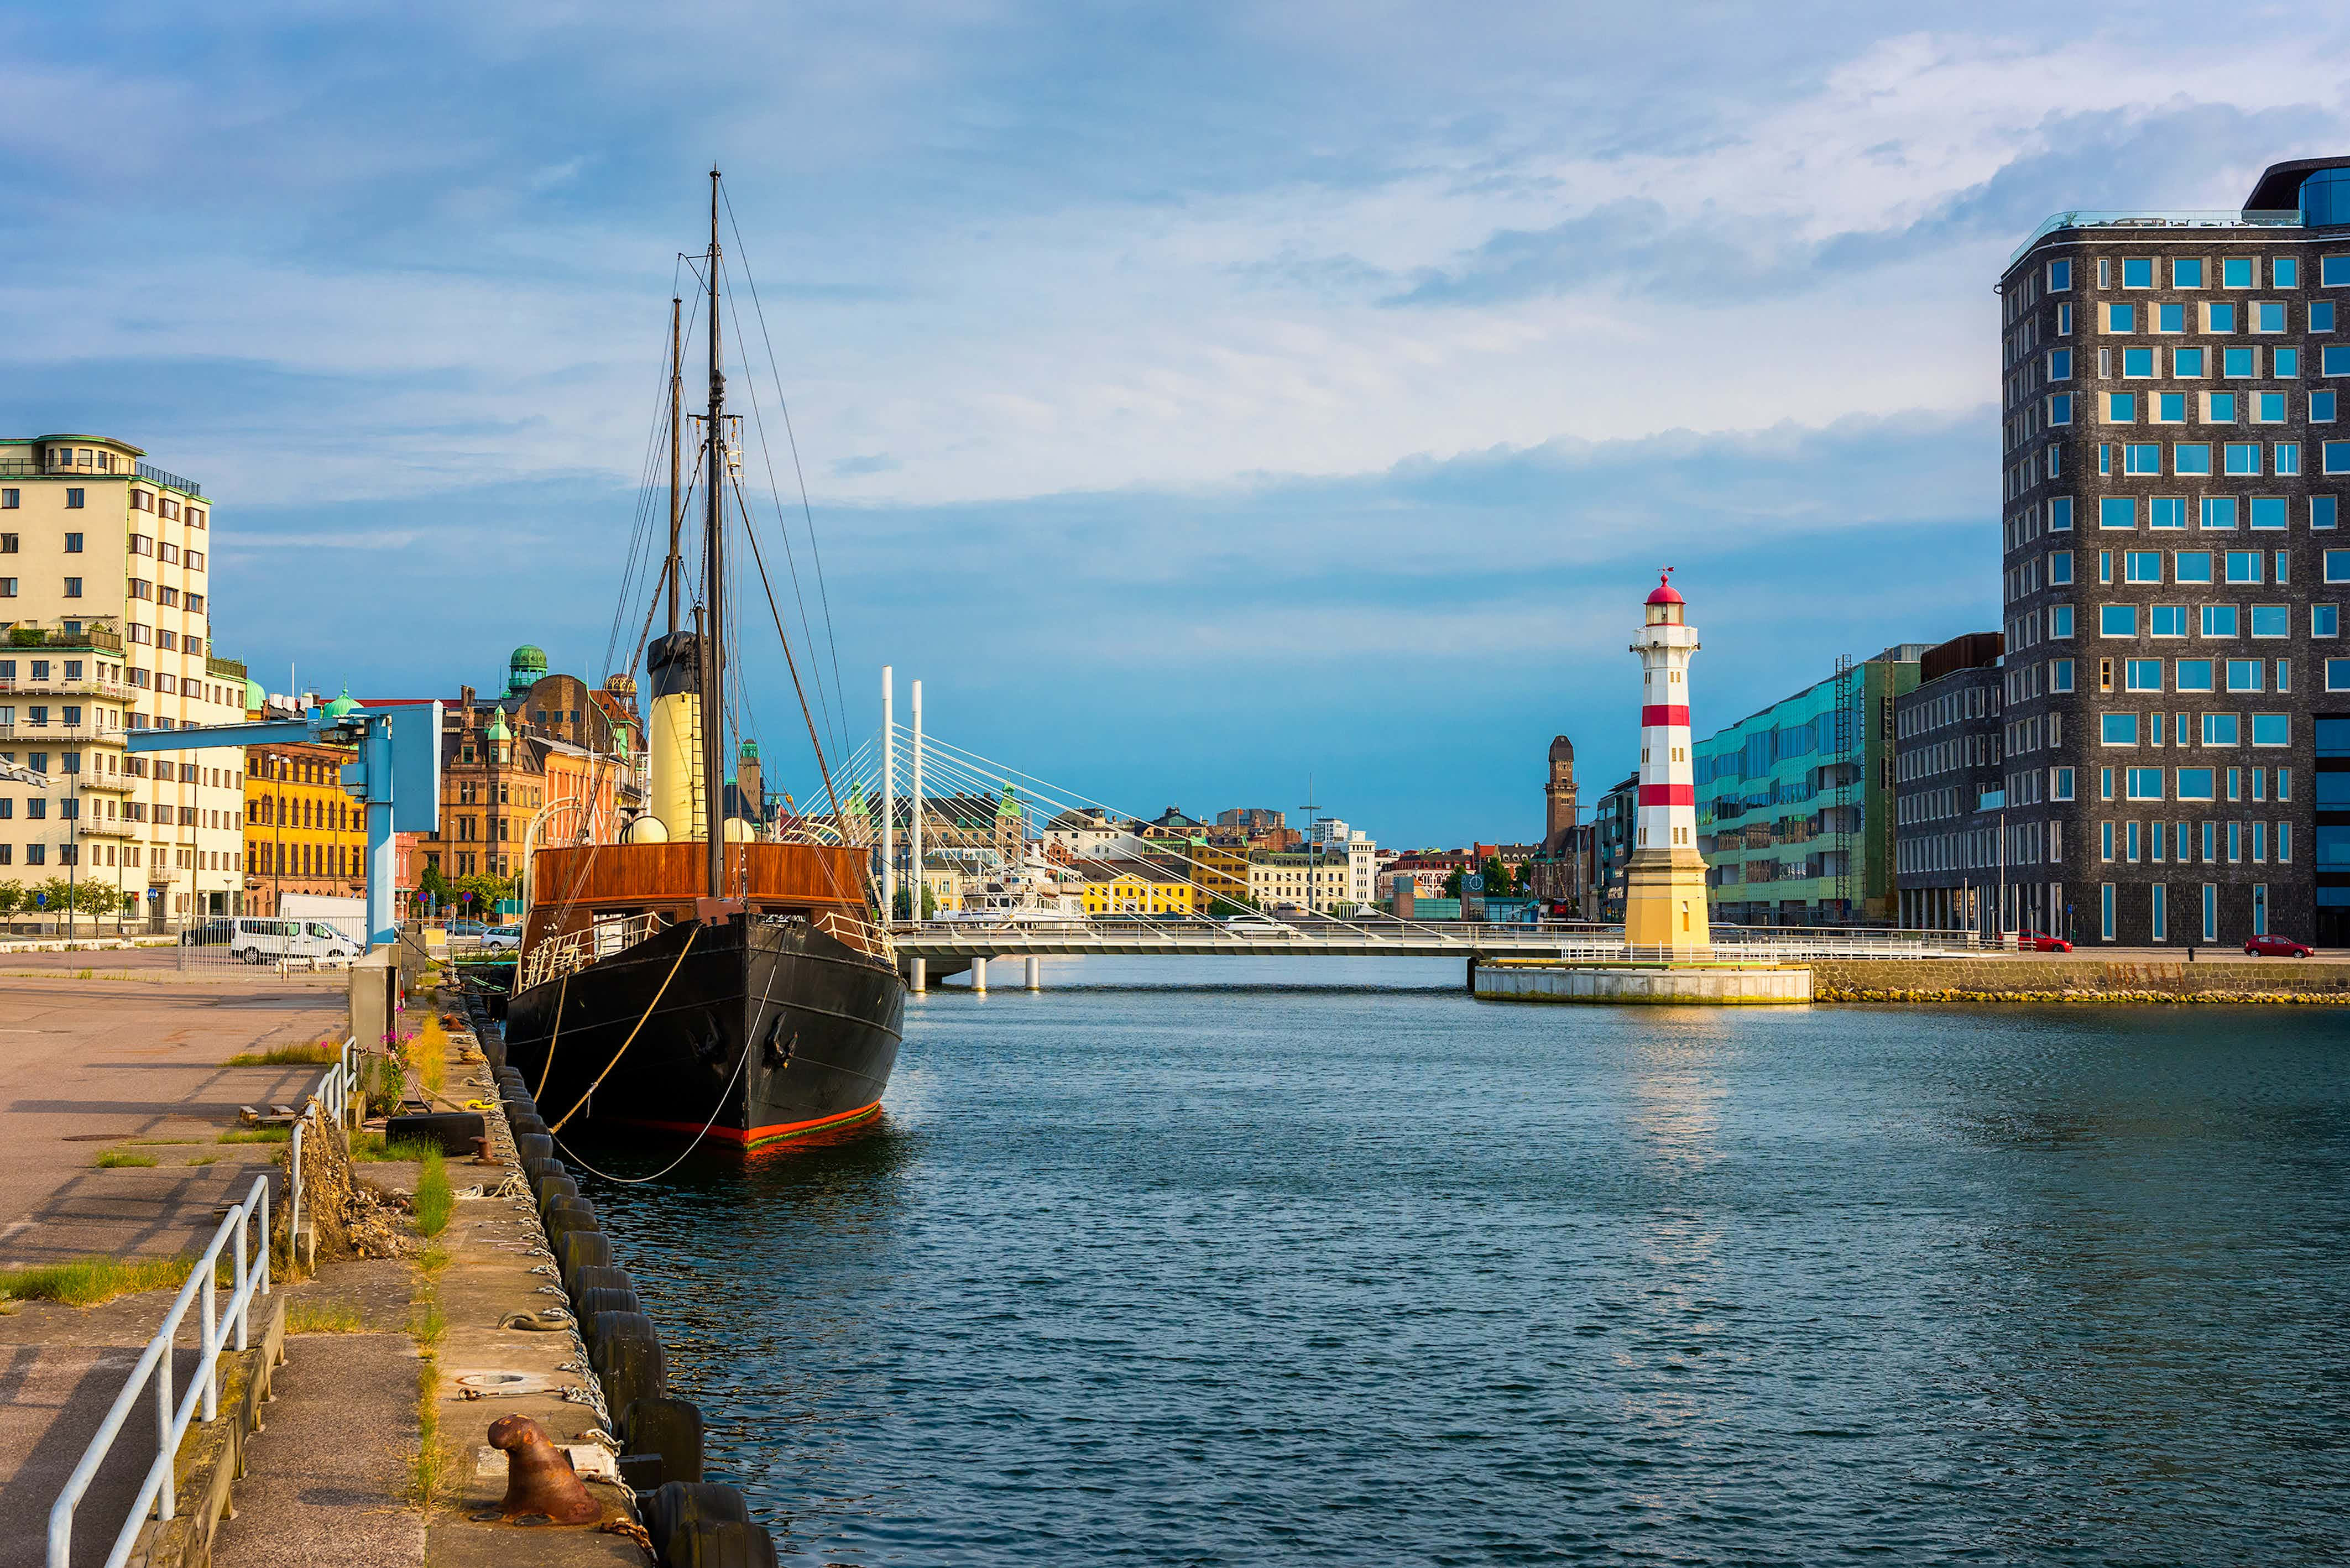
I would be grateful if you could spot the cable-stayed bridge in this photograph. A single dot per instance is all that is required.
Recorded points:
(1024, 851)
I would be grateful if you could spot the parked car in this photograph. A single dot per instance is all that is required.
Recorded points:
(2277, 947)
(2041, 943)
(467, 928)
(1255, 925)
(208, 933)
(507, 939)
(261, 941)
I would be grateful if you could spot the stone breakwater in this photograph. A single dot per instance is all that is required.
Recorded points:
(2227, 982)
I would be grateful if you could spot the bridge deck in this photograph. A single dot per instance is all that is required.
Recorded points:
(962, 939)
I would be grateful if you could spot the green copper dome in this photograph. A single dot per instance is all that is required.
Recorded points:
(342, 704)
(525, 670)
(498, 730)
(255, 697)
(750, 750)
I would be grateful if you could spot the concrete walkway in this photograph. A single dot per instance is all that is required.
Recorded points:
(88, 1065)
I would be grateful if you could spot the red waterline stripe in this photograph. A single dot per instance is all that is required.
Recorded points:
(762, 1135)
(1664, 714)
(1668, 795)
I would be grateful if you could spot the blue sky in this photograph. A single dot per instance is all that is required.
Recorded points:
(1196, 398)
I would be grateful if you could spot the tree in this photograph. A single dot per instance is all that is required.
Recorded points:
(12, 897)
(905, 903)
(1498, 879)
(431, 883)
(487, 890)
(1452, 884)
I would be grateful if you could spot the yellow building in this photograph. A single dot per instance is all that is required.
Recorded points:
(303, 833)
(1136, 887)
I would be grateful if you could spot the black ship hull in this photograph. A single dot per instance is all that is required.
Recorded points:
(751, 1031)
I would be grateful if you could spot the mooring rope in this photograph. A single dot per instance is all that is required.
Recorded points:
(561, 991)
(631, 1040)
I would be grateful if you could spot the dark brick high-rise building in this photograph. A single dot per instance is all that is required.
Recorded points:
(2176, 690)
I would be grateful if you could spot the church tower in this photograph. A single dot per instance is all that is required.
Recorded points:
(1558, 797)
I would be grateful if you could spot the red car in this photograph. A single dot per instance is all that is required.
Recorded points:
(2041, 943)
(2277, 947)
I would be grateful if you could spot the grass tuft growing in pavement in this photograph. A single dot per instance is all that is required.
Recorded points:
(315, 1053)
(434, 1201)
(258, 1135)
(431, 1474)
(86, 1282)
(114, 1158)
(429, 1054)
(371, 1148)
(312, 1314)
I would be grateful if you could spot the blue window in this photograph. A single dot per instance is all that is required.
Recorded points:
(2105, 894)
(2170, 408)
(2142, 674)
(2267, 316)
(2336, 455)
(2267, 408)
(2104, 457)
(2060, 364)
(2118, 729)
(2268, 511)
(2167, 621)
(2143, 783)
(2194, 675)
(2334, 272)
(2221, 730)
(2337, 678)
(2284, 362)
(2321, 408)
(2186, 457)
(2223, 318)
(2273, 729)
(2287, 457)
(2237, 362)
(2187, 272)
(2236, 272)
(2243, 566)
(2241, 457)
(2272, 621)
(2060, 409)
(2338, 566)
(2333, 359)
(2219, 511)
(2243, 675)
(2121, 318)
(2060, 620)
(2060, 679)
(2187, 361)
(2137, 272)
(2170, 319)
(2121, 510)
(2218, 620)
(2194, 783)
(2060, 273)
(2326, 621)
(2117, 620)
(2166, 511)
(2137, 362)
(2060, 515)
(2219, 409)
(2141, 566)
(2060, 568)
(2121, 408)
(2321, 315)
(2191, 567)
(2285, 272)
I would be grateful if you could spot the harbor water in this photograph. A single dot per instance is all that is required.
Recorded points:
(1241, 1262)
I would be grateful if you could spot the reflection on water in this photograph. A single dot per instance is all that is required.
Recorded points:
(1315, 1273)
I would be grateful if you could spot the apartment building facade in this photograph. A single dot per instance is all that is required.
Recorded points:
(1949, 802)
(106, 629)
(2173, 566)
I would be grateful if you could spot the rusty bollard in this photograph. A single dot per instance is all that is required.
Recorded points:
(539, 1478)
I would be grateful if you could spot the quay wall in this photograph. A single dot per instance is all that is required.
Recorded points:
(2079, 979)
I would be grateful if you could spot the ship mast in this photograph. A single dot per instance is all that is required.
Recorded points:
(676, 450)
(714, 578)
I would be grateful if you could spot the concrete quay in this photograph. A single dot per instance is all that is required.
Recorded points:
(1694, 984)
(2223, 975)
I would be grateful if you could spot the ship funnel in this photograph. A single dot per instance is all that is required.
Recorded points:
(673, 736)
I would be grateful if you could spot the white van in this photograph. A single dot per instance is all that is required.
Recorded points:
(266, 941)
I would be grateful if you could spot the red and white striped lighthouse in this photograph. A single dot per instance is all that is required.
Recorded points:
(1664, 891)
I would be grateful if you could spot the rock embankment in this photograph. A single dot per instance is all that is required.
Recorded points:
(2177, 982)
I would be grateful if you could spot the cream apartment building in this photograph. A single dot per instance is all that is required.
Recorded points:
(104, 627)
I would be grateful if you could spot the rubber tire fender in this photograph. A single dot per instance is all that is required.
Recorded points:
(609, 1277)
(533, 1146)
(625, 1352)
(667, 1430)
(670, 1509)
(730, 1544)
(589, 1300)
(581, 1250)
(454, 1131)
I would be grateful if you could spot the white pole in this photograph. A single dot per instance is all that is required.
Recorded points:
(889, 794)
(916, 831)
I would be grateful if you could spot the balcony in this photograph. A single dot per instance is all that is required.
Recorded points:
(109, 783)
(225, 669)
(153, 475)
(94, 827)
(2083, 218)
(79, 686)
(36, 734)
(98, 638)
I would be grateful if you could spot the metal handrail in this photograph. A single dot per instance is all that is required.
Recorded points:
(158, 1493)
(855, 931)
(551, 958)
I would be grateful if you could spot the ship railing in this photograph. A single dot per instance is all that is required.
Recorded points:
(855, 931)
(551, 958)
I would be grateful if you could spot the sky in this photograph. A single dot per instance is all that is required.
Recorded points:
(1209, 403)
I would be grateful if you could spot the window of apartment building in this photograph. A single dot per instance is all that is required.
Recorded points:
(2284, 272)
(2187, 362)
(2060, 275)
(2190, 566)
(2193, 675)
(195, 560)
(73, 587)
(2272, 621)
(2271, 729)
(2243, 674)
(2238, 363)
(2117, 620)
(2321, 315)
(2267, 316)
(2141, 566)
(2338, 566)
(2326, 621)
(2187, 457)
(2137, 272)
(2220, 620)
(2218, 407)
(2322, 511)
(2243, 566)
(73, 544)
(2138, 364)
(2284, 363)
(2166, 620)
(10, 500)
(2220, 316)
(2221, 730)
(2170, 319)
(73, 499)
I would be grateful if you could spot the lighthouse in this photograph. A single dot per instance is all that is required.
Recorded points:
(1664, 885)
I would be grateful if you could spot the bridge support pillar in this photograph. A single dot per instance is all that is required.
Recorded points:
(1473, 974)
(1035, 974)
(979, 976)
(917, 975)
